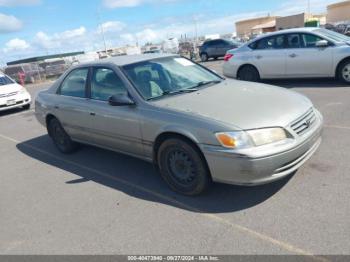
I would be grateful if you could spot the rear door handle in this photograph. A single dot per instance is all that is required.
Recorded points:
(92, 114)
(56, 107)
(258, 57)
(292, 55)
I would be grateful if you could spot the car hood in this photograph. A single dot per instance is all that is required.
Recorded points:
(244, 105)
(6, 89)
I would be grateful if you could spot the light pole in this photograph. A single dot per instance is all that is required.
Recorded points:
(102, 29)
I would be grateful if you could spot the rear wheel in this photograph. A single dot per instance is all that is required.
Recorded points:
(344, 71)
(60, 138)
(248, 73)
(204, 57)
(182, 167)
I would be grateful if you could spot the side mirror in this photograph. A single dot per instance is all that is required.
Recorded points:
(322, 43)
(120, 100)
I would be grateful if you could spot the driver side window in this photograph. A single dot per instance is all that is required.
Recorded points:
(106, 83)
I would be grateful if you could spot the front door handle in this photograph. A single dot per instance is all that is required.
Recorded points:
(92, 114)
(293, 55)
(258, 57)
(56, 107)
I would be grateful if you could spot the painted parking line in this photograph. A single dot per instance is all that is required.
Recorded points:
(17, 114)
(260, 236)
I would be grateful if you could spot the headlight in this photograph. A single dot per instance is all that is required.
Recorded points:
(251, 138)
(267, 135)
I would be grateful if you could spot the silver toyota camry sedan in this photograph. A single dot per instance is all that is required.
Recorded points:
(195, 126)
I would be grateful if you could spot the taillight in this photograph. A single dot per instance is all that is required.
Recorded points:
(228, 57)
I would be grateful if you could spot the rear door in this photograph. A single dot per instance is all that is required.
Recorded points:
(269, 56)
(71, 105)
(304, 59)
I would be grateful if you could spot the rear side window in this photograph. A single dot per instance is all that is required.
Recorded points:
(273, 42)
(75, 83)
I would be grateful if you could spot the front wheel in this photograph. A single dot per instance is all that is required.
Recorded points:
(60, 138)
(182, 167)
(344, 71)
(248, 73)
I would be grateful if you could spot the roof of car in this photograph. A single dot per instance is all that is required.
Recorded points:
(292, 30)
(131, 59)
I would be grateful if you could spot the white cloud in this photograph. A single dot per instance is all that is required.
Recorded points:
(16, 44)
(112, 26)
(18, 2)
(121, 3)
(9, 23)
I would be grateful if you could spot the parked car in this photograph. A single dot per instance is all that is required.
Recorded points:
(292, 53)
(216, 48)
(30, 72)
(194, 125)
(12, 95)
(56, 68)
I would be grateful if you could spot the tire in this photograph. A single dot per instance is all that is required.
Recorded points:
(60, 138)
(26, 107)
(248, 73)
(204, 57)
(182, 167)
(344, 71)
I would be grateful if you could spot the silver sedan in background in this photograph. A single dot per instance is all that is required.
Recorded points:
(292, 53)
(195, 126)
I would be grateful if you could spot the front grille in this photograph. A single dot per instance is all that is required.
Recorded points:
(303, 123)
(9, 94)
(17, 103)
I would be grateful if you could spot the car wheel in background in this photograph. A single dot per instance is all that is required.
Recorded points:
(26, 107)
(248, 73)
(344, 71)
(182, 167)
(60, 138)
(204, 57)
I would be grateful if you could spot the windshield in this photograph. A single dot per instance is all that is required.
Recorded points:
(334, 36)
(4, 80)
(167, 76)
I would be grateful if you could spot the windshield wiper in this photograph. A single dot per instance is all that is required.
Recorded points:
(175, 92)
(203, 83)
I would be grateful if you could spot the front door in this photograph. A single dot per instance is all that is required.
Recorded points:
(115, 127)
(305, 59)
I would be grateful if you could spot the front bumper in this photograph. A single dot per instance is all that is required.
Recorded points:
(251, 169)
(15, 101)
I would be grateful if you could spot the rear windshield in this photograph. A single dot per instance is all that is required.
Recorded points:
(4, 80)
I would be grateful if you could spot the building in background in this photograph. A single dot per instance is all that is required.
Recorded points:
(244, 28)
(338, 13)
(300, 20)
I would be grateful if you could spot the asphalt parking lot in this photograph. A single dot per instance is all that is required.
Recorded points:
(99, 202)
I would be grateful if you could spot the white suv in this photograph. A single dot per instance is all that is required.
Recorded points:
(292, 53)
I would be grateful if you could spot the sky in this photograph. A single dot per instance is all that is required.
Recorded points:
(40, 27)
